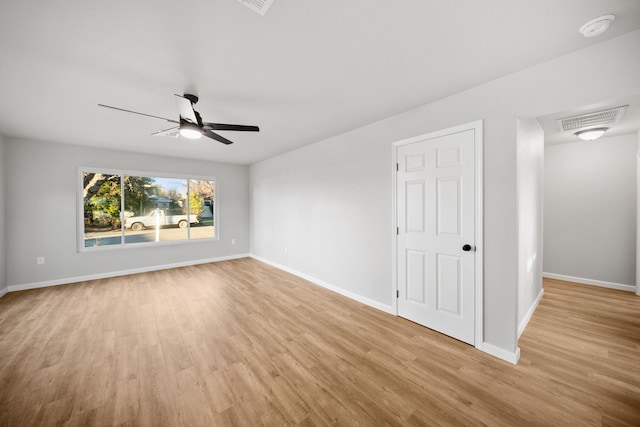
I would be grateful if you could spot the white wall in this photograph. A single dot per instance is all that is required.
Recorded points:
(530, 178)
(638, 218)
(330, 203)
(329, 206)
(590, 209)
(41, 186)
(3, 275)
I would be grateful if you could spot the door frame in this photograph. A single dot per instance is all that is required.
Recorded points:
(477, 127)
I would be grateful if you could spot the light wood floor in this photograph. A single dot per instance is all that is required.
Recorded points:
(242, 343)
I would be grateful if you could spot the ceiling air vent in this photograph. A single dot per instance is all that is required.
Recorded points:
(597, 118)
(258, 6)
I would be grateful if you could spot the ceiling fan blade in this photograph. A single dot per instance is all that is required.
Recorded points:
(135, 112)
(186, 109)
(222, 126)
(213, 135)
(173, 132)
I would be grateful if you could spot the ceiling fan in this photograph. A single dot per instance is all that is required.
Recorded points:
(190, 124)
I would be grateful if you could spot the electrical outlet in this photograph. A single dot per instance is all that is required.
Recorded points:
(286, 249)
(233, 241)
(40, 260)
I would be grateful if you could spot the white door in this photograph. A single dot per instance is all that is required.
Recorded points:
(435, 206)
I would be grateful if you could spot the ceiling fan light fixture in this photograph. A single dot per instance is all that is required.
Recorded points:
(591, 134)
(190, 130)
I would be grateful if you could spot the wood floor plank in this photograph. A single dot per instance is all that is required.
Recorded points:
(240, 343)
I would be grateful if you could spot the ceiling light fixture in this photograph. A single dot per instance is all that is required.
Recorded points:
(190, 130)
(591, 134)
(597, 26)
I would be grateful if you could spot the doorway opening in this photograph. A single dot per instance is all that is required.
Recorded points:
(585, 194)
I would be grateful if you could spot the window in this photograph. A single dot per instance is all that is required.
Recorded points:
(136, 208)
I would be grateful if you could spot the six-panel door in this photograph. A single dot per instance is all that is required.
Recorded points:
(435, 211)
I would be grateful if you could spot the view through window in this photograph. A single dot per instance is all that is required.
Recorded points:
(124, 209)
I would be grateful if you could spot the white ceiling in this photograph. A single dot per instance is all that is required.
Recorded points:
(305, 71)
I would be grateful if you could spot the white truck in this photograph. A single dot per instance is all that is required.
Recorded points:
(161, 217)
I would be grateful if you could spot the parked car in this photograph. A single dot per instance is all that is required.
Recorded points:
(160, 217)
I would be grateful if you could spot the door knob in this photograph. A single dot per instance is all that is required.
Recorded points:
(466, 248)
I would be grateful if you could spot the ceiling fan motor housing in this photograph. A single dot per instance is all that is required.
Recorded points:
(192, 98)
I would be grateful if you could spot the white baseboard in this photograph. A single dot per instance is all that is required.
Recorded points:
(337, 289)
(532, 309)
(3, 292)
(56, 282)
(584, 281)
(500, 353)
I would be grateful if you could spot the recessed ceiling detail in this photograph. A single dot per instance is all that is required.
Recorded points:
(258, 6)
(596, 118)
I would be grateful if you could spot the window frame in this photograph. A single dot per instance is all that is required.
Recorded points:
(80, 229)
